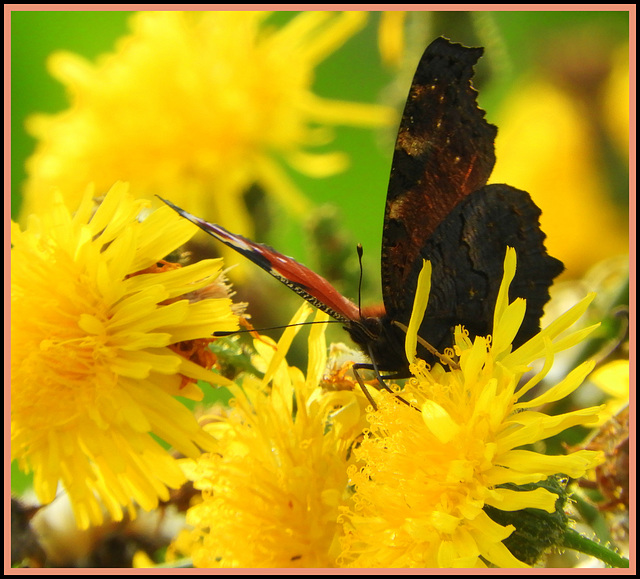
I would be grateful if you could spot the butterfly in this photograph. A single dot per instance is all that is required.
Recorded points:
(438, 208)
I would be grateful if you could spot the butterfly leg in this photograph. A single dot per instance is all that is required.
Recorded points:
(382, 383)
(355, 369)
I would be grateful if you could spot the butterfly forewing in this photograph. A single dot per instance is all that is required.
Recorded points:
(444, 152)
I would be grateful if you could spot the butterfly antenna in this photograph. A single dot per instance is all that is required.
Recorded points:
(360, 252)
(224, 334)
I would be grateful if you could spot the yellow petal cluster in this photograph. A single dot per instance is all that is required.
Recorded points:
(92, 372)
(426, 471)
(272, 488)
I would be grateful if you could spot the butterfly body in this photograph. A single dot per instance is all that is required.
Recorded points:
(438, 208)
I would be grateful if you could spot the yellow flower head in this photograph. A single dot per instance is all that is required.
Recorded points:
(93, 374)
(428, 474)
(198, 107)
(273, 487)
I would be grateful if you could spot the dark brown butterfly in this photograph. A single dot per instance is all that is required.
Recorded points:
(438, 208)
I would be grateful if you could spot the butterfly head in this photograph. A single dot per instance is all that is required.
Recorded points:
(381, 340)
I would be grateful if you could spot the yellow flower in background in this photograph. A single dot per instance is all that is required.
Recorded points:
(615, 108)
(198, 107)
(425, 472)
(546, 146)
(273, 487)
(93, 375)
(391, 37)
(613, 379)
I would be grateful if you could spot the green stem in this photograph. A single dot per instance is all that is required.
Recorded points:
(574, 540)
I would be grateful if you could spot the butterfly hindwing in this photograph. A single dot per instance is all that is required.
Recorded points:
(467, 257)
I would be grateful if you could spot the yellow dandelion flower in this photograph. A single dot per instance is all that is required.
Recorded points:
(273, 487)
(92, 371)
(428, 475)
(198, 107)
